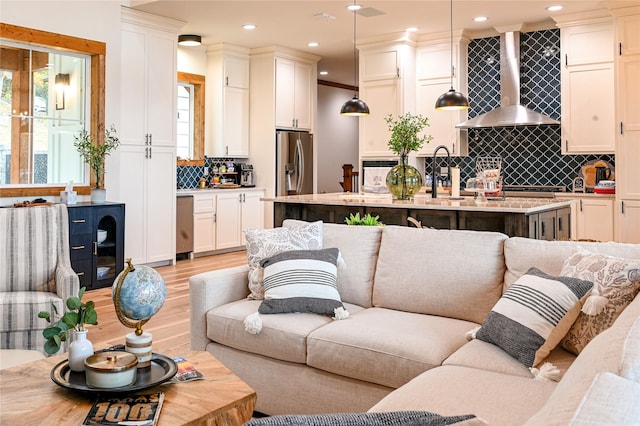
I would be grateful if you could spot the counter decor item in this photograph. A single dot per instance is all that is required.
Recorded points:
(138, 293)
(94, 153)
(596, 170)
(74, 319)
(405, 180)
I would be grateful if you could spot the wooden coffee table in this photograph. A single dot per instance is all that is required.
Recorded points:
(28, 396)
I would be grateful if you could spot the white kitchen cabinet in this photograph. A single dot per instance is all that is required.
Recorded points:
(147, 188)
(204, 222)
(628, 220)
(387, 75)
(433, 65)
(143, 168)
(588, 86)
(594, 219)
(237, 211)
(148, 81)
(227, 100)
(293, 94)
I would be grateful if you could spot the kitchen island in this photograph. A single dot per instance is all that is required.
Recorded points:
(541, 218)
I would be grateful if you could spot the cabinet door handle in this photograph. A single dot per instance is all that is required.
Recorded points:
(560, 224)
(398, 71)
(226, 150)
(226, 81)
(95, 248)
(542, 229)
(566, 144)
(149, 153)
(80, 274)
(150, 138)
(215, 217)
(621, 128)
(622, 206)
(78, 221)
(566, 60)
(555, 235)
(77, 247)
(580, 205)
(620, 49)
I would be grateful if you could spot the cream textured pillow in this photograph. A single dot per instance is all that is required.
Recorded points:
(616, 281)
(263, 243)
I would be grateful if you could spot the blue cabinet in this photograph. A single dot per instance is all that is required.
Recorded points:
(96, 242)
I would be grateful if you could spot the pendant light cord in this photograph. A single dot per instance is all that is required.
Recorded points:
(355, 72)
(451, 41)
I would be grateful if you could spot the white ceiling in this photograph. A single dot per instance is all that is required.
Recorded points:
(294, 23)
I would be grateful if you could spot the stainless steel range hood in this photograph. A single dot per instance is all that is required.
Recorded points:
(511, 112)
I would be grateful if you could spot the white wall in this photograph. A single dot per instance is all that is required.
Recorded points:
(193, 59)
(336, 138)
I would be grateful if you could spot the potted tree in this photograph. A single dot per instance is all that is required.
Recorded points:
(73, 320)
(94, 154)
(404, 180)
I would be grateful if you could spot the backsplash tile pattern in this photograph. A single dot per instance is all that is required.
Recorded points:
(189, 176)
(531, 155)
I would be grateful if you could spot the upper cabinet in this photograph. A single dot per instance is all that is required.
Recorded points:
(387, 78)
(293, 94)
(227, 102)
(433, 78)
(587, 84)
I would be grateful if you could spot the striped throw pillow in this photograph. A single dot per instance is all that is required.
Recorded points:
(301, 281)
(533, 315)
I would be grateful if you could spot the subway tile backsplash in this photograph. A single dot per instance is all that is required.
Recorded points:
(531, 155)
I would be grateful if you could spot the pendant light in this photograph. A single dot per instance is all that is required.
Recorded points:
(354, 106)
(452, 100)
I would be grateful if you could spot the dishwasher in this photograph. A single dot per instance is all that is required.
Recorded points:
(184, 226)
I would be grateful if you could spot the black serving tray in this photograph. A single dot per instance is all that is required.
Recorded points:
(162, 369)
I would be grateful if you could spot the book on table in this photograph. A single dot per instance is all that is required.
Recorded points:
(132, 410)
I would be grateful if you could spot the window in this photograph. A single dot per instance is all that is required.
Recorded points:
(52, 86)
(185, 121)
(190, 126)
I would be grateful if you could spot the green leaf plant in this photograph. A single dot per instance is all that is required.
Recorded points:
(75, 318)
(404, 133)
(94, 153)
(366, 220)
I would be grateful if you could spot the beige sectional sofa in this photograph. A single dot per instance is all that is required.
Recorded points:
(413, 295)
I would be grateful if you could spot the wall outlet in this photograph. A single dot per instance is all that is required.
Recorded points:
(206, 170)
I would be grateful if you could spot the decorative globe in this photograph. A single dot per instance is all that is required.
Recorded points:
(138, 293)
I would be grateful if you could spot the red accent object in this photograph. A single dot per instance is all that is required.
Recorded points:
(604, 190)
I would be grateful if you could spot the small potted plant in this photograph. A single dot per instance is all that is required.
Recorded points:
(94, 154)
(365, 220)
(404, 180)
(73, 320)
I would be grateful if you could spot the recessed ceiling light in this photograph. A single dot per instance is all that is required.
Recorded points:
(480, 19)
(313, 44)
(324, 72)
(249, 27)
(353, 7)
(411, 29)
(554, 8)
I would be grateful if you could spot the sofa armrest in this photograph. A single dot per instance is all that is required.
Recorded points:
(67, 282)
(209, 290)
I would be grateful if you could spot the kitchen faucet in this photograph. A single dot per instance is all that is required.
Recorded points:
(434, 178)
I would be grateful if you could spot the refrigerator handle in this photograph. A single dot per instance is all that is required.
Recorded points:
(300, 165)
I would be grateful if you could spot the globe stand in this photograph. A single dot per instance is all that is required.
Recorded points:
(138, 342)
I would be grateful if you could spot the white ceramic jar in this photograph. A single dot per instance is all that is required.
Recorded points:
(111, 369)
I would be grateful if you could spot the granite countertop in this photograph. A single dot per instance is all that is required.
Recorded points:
(583, 195)
(424, 201)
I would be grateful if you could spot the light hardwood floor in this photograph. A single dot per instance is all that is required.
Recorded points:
(170, 326)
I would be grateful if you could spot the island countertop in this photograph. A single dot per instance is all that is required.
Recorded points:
(425, 202)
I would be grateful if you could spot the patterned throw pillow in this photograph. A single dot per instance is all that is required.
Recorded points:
(301, 281)
(533, 315)
(391, 418)
(616, 282)
(263, 243)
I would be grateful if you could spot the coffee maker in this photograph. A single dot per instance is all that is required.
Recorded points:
(246, 175)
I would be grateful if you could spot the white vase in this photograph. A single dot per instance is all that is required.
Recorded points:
(98, 195)
(79, 349)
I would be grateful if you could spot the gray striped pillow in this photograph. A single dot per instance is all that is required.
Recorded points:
(301, 281)
(533, 315)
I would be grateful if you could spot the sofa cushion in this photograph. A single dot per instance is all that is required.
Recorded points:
(456, 274)
(385, 346)
(630, 364)
(533, 315)
(499, 399)
(283, 336)
(262, 243)
(29, 248)
(603, 354)
(609, 400)
(520, 254)
(489, 357)
(394, 418)
(19, 310)
(616, 281)
(301, 281)
(359, 247)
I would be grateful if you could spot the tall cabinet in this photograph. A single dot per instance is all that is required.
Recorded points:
(627, 66)
(143, 167)
(227, 101)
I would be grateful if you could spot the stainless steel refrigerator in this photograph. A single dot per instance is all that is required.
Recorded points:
(294, 163)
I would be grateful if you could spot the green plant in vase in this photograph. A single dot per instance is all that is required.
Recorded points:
(404, 180)
(94, 154)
